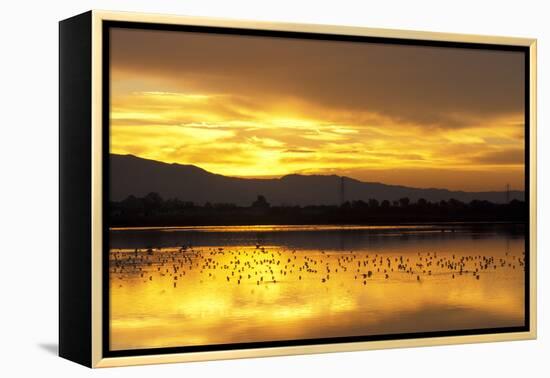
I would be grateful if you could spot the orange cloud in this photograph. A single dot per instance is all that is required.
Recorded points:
(241, 109)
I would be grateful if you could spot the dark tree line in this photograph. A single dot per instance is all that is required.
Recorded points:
(152, 209)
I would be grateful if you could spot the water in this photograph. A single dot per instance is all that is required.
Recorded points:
(219, 285)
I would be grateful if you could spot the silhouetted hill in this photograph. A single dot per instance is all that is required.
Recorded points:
(131, 175)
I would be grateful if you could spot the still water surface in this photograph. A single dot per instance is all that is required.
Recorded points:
(219, 285)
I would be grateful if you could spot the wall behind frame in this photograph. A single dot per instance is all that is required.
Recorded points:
(29, 152)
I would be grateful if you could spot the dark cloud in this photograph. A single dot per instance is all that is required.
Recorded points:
(512, 156)
(397, 155)
(301, 151)
(443, 87)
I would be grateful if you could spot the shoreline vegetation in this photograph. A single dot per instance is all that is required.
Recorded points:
(154, 211)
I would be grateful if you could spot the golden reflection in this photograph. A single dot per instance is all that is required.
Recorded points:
(189, 295)
(286, 228)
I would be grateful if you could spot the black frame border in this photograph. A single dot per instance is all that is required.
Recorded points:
(107, 25)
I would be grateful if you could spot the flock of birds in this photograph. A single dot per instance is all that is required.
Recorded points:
(259, 265)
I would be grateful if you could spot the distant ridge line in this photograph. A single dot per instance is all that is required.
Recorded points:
(133, 175)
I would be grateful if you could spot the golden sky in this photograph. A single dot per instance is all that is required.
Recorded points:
(267, 107)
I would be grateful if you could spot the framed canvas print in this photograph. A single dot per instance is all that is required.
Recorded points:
(235, 189)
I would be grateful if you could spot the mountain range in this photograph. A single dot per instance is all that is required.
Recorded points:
(132, 175)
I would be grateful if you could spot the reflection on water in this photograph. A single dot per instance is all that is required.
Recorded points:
(210, 285)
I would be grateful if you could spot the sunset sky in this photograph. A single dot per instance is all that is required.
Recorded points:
(266, 107)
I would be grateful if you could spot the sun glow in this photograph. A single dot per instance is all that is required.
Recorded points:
(204, 131)
(239, 106)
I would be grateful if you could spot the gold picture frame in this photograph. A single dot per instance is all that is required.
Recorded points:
(82, 318)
